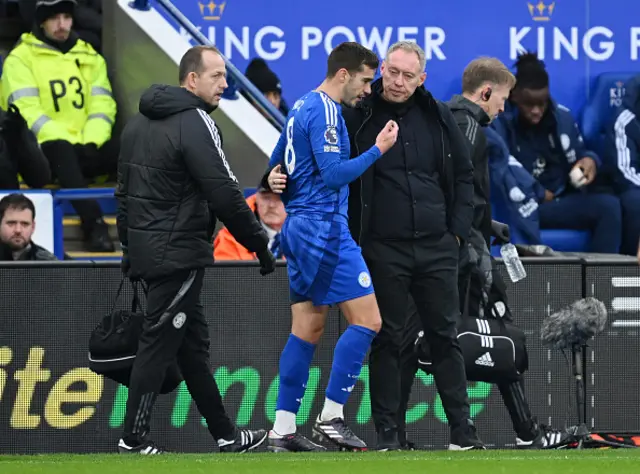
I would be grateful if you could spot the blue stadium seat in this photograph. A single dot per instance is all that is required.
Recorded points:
(604, 98)
(560, 240)
(565, 240)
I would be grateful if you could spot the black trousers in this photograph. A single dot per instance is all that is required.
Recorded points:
(174, 327)
(74, 165)
(426, 269)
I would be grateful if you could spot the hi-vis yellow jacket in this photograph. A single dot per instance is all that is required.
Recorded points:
(61, 96)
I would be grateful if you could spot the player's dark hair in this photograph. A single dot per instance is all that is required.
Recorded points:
(352, 57)
(531, 72)
(16, 201)
(192, 61)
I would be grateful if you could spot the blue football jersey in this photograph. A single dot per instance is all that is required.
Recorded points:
(314, 138)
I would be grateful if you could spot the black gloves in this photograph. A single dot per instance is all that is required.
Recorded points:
(501, 232)
(267, 261)
(89, 151)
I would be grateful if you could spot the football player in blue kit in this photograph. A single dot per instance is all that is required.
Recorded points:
(325, 265)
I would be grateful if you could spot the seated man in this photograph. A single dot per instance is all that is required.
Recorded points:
(545, 139)
(61, 87)
(622, 154)
(20, 153)
(269, 210)
(17, 224)
(87, 18)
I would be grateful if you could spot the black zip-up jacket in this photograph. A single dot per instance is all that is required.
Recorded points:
(454, 165)
(471, 119)
(173, 183)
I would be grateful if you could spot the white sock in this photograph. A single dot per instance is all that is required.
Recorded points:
(285, 423)
(331, 410)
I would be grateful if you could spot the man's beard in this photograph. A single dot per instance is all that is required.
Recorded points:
(15, 247)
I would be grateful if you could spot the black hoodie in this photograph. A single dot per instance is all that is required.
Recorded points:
(173, 183)
(471, 119)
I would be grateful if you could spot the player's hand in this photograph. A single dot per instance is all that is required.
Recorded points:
(589, 169)
(267, 262)
(548, 195)
(387, 136)
(277, 180)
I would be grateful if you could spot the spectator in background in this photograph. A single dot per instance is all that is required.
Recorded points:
(60, 84)
(87, 19)
(267, 82)
(622, 153)
(269, 210)
(20, 153)
(17, 224)
(544, 138)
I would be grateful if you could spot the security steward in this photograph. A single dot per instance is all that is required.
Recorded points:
(60, 85)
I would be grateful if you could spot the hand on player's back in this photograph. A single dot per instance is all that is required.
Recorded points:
(277, 180)
(387, 136)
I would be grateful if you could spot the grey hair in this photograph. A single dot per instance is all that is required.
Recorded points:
(409, 47)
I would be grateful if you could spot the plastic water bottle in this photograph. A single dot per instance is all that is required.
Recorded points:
(512, 262)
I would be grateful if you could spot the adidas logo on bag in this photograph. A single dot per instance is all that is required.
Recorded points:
(485, 359)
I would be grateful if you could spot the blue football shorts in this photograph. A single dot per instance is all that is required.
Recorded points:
(324, 264)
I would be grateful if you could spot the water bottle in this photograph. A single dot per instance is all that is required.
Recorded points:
(512, 262)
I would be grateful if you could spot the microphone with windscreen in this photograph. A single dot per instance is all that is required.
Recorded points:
(575, 324)
(571, 328)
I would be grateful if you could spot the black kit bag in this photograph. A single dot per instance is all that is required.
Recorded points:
(113, 344)
(494, 349)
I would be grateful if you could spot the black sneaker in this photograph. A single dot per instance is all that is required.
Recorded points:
(408, 446)
(337, 432)
(464, 437)
(98, 239)
(292, 443)
(546, 438)
(388, 440)
(146, 448)
(245, 440)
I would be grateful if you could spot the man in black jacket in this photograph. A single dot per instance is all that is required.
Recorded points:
(173, 181)
(410, 214)
(486, 84)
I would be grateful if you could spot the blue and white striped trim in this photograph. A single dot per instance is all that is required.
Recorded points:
(330, 111)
